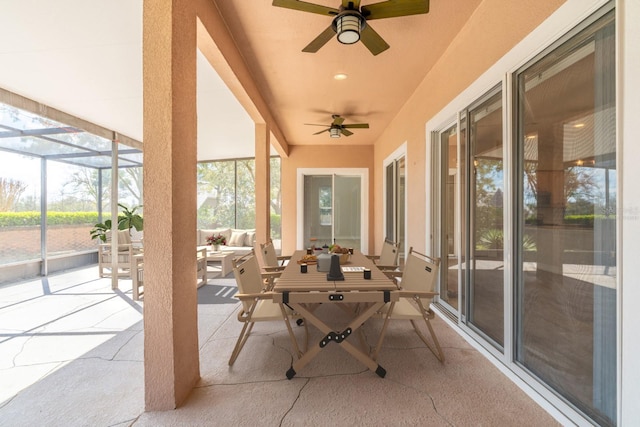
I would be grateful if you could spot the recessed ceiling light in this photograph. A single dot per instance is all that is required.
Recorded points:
(340, 76)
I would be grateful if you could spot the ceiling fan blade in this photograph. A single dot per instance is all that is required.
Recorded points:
(320, 41)
(372, 40)
(337, 120)
(357, 126)
(346, 132)
(306, 7)
(395, 8)
(322, 131)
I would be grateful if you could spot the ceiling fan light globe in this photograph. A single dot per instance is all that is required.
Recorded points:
(334, 132)
(348, 28)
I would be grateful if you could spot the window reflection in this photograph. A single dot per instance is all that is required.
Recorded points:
(567, 287)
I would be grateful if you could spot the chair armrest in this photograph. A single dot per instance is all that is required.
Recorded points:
(269, 279)
(122, 247)
(417, 294)
(273, 269)
(392, 273)
(250, 297)
(387, 267)
(271, 274)
(373, 257)
(284, 257)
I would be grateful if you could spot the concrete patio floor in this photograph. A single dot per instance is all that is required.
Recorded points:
(71, 354)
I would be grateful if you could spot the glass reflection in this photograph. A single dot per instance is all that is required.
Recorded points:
(567, 232)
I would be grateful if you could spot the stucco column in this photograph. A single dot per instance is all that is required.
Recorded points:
(263, 183)
(171, 366)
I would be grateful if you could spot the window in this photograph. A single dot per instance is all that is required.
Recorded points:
(324, 205)
(227, 194)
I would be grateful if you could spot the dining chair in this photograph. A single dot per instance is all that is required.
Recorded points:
(388, 258)
(127, 250)
(417, 289)
(271, 264)
(257, 304)
(270, 258)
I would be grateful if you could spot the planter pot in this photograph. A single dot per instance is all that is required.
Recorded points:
(215, 248)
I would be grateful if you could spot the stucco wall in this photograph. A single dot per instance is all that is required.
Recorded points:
(493, 29)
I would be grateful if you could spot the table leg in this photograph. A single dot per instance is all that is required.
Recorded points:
(337, 337)
(225, 265)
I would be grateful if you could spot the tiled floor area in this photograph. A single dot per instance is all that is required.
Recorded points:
(71, 354)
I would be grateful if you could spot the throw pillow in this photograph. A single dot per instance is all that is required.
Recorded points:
(237, 238)
(250, 238)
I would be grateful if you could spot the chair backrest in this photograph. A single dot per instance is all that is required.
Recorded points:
(247, 273)
(269, 256)
(124, 239)
(389, 254)
(420, 272)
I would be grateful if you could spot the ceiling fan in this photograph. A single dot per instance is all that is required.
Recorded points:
(336, 127)
(350, 20)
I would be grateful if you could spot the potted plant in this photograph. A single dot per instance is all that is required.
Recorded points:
(216, 240)
(127, 219)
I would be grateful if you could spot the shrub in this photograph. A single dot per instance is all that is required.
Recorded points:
(32, 218)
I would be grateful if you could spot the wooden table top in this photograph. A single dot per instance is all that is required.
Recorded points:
(292, 280)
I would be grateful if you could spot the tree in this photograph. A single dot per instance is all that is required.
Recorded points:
(275, 199)
(245, 194)
(82, 186)
(130, 185)
(216, 190)
(10, 192)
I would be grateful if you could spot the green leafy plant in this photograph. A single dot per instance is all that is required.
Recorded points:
(494, 239)
(491, 239)
(127, 219)
(99, 230)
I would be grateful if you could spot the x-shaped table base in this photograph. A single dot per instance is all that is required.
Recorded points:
(296, 301)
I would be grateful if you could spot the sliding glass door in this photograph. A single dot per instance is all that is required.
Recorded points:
(332, 210)
(566, 241)
(485, 264)
(451, 252)
(539, 290)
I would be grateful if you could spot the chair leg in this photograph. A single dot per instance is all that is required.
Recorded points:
(374, 356)
(244, 334)
(292, 336)
(435, 347)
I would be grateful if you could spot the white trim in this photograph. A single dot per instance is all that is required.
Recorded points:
(398, 153)
(363, 173)
(628, 208)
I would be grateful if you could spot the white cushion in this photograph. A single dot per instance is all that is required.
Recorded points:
(124, 239)
(250, 238)
(237, 238)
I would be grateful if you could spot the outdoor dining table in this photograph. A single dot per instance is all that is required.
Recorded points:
(304, 291)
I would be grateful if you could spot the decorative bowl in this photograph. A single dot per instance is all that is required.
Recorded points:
(344, 258)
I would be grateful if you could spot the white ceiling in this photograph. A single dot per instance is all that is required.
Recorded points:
(84, 57)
